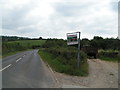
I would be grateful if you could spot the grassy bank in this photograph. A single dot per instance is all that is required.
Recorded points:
(13, 47)
(56, 62)
(14, 52)
(110, 59)
(28, 43)
(109, 55)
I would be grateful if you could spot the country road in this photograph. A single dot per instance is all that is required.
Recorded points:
(26, 70)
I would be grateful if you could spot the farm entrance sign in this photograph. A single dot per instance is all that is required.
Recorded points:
(72, 39)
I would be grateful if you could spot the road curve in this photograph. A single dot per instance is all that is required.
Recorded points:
(26, 70)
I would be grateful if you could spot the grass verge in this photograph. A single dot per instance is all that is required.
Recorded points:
(109, 59)
(56, 65)
(12, 53)
(13, 47)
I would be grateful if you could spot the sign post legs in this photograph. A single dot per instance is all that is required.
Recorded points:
(78, 62)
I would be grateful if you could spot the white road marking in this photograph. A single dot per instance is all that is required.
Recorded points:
(23, 55)
(5, 67)
(18, 59)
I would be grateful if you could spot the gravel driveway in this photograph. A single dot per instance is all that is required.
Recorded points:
(102, 74)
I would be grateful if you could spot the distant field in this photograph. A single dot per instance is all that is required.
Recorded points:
(12, 47)
(28, 42)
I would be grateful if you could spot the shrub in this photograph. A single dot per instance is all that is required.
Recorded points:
(109, 56)
(118, 56)
(64, 58)
(63, 65)
(68, 55)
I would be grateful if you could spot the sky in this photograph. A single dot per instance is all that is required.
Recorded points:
(55, 18)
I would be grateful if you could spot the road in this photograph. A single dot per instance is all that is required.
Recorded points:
(26, 70)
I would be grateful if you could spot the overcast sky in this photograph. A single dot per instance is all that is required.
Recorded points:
(55, 18)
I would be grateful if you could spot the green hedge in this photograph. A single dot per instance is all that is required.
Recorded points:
(109, 56)
(63, 58)
(62, 64)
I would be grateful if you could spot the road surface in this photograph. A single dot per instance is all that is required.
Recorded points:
(26, 70)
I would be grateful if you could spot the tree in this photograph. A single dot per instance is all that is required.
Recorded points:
(40, 38)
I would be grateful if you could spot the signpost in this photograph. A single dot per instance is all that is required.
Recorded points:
(72, 40)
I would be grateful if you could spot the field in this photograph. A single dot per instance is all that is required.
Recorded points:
(29, 43)
(12, 47)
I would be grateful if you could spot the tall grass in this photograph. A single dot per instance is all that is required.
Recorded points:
(63, 58)
(64, 62)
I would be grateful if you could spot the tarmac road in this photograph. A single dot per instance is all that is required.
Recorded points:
(26, 70)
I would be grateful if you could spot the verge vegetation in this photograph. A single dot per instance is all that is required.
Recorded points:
(12, 47)
(109, 55)
(63, 58)
(109, 48)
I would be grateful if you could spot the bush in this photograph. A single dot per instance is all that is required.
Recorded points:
(64, 58)
(118, 56)
(63, 65)
(109, 56)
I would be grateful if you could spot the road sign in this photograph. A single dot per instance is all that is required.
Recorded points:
(72, 39)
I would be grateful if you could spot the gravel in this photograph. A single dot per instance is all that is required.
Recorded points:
(102, 74)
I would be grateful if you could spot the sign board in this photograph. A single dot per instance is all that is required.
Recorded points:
(72, 39)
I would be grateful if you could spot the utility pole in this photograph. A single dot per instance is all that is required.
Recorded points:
(78, 62)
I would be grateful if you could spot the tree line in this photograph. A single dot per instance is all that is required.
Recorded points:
(101, 43)
(97, 42)
(16, 38)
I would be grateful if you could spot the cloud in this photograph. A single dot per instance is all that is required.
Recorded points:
(93, 18)
(55, 18)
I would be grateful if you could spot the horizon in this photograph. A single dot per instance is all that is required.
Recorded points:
(59, 38)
